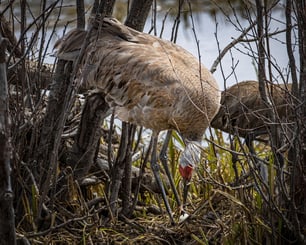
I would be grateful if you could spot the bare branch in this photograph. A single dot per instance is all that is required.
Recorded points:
(229, 46)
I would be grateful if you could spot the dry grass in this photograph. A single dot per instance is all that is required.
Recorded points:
(219, 219)
(220, 211)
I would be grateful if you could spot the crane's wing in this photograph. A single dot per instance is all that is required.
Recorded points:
(141, 73)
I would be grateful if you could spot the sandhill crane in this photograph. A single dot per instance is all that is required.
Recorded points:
(243, 112)
(150, 82)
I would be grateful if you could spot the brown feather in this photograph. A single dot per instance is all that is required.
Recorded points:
(242, 109)
(150, 81)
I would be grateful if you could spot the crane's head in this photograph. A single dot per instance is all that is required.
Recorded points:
(189, 158)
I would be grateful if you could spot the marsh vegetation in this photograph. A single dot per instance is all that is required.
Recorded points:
(70, 177)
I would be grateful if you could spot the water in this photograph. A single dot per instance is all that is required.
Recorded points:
(237, 65)
(239, 59)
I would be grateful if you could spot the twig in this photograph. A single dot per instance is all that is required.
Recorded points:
(229, 46)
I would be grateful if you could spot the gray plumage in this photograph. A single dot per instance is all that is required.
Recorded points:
(150, 81)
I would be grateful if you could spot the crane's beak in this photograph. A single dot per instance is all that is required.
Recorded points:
(186, 183)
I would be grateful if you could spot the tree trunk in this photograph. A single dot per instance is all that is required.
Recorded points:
(52, 128)
(106, 7)
(89, 133)
(80, 8)
(7, 217)
(138, 14)
(300, 165)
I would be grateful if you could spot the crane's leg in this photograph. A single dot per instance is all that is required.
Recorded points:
(155, 169)
(163, 158)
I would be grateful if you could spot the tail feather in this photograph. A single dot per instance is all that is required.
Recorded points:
(69, 46)
(116, 28)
